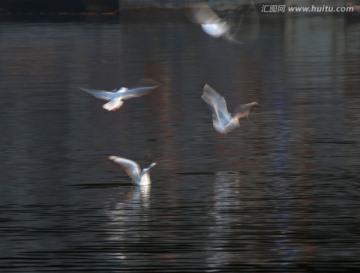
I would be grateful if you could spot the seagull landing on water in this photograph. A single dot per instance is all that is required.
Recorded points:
(138, 177)
(222, 120)
(116, 98)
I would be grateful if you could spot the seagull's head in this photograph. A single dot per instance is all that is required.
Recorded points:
(254, 103)
(152, 164)
(112, 158)
(123, 89)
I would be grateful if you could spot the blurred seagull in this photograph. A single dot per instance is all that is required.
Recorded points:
(210, 22)
(243, 29)
(215, 28)
(116, 98)
(222, 120)
(138, 177)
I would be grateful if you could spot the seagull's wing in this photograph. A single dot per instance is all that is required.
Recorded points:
(140, 89)
(217, 104)
(146, 170)
(136, 92)
(243, 110)
(245, 28)
(201, 13)
(100, 94)
(131, 167)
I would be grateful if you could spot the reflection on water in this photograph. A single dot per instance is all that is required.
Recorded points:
(278, 195)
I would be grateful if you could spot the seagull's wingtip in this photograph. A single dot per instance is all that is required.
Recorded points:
(112, 157)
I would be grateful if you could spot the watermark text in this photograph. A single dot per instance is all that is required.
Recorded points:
(306, 9)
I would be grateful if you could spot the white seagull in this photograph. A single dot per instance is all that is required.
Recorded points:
(222, 120)
(139, 177)
(211, 23)
(216, 28)
(235, 29)
(116, 98)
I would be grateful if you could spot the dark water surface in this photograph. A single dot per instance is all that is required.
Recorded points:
(280, 194)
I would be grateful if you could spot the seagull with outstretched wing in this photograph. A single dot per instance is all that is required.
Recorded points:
(138, 177)
(116, 98)
(235, 29)
(223, 121)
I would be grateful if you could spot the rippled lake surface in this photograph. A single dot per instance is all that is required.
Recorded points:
(279, 194)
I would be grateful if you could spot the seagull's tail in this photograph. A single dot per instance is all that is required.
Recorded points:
(113, 105)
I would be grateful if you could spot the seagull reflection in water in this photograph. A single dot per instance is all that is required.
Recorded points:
(225, 184)
(128, 208)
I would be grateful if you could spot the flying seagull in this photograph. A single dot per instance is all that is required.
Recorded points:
(223, 121)
(139, 177)
(116, 98)
(211, 23)
(235, 29)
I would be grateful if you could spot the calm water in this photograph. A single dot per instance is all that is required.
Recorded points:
(280, 194)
